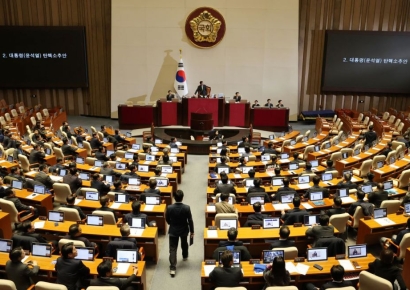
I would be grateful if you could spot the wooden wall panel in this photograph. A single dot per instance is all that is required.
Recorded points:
(95, 15)
(318, 15)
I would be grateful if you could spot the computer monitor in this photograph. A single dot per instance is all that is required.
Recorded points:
(48, 151)
(174, 150)
(327, 176)
(143, 168)
(327, 145)
(241, 150)
(345, 155)
(6, 245)
(284, 156)
(310, 219)
(173, 159)
(127, 256)
(92, 195)
(379, 164)
(316, 148)
(218, 160)
(152, 200)
(10, 159)
(314, 163)
(84, 176)
(343, 192)
(98, 163)
(41, 249)
(293, 166)
(166, 169)
(128, 134)
(105, 140)
(230, 200)
(162, 182)
(129, 155)
(109, 152)
(138, 223)
(380, 213)
(236, 258)
(304, 179)
(226, 224)
(80, 145)
(154, 149)
(218, 144)
(255, 199)
(40, 189)
(109, 178)
(84, 254)
(17, 184)
(357, 251)
(149, 157)
(271, 223)
(270, 255)
(134, 181)
(348, 171)
(292, 142)
(317, 195)
(223, 169)
(356, 152)
(95, 220)
(246, 169)
(277, 181)
(407, 208)
(271, 137)
(367, 188)
(120, 166)
(265, 157)
(136, 146)
(121, 198)
(287, 198)
(388, 184)
(305, 138)
(249, 182)
(62, 172)
(79, 160)
(55, 216)
(317, 254)
(158, 141)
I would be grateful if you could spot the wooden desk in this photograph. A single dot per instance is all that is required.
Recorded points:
(43, 200)
(391, 170)
(47, 265)
(157, 213)
(148, 240)
(370, 231)
(257, 165)
(255, 240)
(8, 165)
(406, 268)
(300, 146)
(277, 142)
(253, 281)
(5, 225)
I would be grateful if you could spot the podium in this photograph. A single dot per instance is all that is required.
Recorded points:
(270, 119)
(201, 122)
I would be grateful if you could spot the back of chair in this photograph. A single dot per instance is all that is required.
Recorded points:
(392, 206)
(90, 161)
(365, 167)
(70, 214)
(339, 221)
(108, 216)
(234, 288)
(61, 191)
(58, 152)
(102, 288)
(8, 206)
(369, 281)
(358, 214)
(76, 243)
(282, 288)
(404, 244)
(50, 286)
(222, 216)
(404, 179)
(7, 285)
(290, 252)
(25, 165)
(87, 146)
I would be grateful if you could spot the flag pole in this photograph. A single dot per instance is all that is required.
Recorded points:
(180, 53)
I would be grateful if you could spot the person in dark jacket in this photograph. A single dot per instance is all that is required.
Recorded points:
(100, 154)
(105, 201)
(102, 186)
(226, 276)
(337, 272)
(18, 272)
(378, 196)
(257, 216)
(71, 204)
(224, 187)
(336, 208)
(294, 215)
(36, 155)
(321, 231)
(276, 273)
(105, 277)
(283, 241)
(10, 195)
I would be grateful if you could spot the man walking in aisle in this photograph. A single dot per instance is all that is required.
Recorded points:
(179, 218)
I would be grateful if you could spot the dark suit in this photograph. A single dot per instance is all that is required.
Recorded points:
(318, 232)
(95, 143)
(86, 242)
(269, 105)
(121, 283)
(269, 151)
(107, 171)
(68, 150)
(316, 188)
(179, 218)
(17, 203)
(80, 211)
(244, 144)
(347, 184)
(334, 284)
(294, 216)
(255, 219)
(36, 156)
(377, 197)
(73, 181)
(282, 244)
(226, 277)
(225, 188)
(400, 236)
(354, 205)
(70, 272)
(20, 274)
(170, 97)
(388, 272)
(369, 137)
(127, 218)
(283, 191)
(45, 179)
(201, 90)
(230, 243)
(100, 186)
(245, 255)
(101, 156)
(150, 192)
(333, 211)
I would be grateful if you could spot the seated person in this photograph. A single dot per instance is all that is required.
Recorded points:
(226, 276)
(224, 152)
(72, 179)
(136, 213)
(95, 142)
(396, 239)
(222, 165)
(232, 241)
(128, 242)
(224, 206)
(337, 272)
(346, 182)
(151, 191)
(165, 160)
(388, 149)
(329, 164)
(285, 189)
(370, 177)
(269, 104)
(102, 186)
(67, 149)
(283, 241)
(378, 196)
(9, 194)
(316, 188)
(276, 274)
(251, 174)
(105, 277)
(257, 217)
(36, 155)
(224, 186)
(43, 177)
(255, 104)
(323, 230)
(117, 136)
(336, 208)
(245, 142)
(294, 215)
(362, 203)
(27, 229)
(296, 159)
(242, 163)
(247, 152)
(308, 169)
(269, 150)
(237, 97)
(257, 190)
(74, 233)
(100, 154)
(386, 269)
(18, 272)
(56, 168)
(71, 204)
(173, 143)
(105, 201)
(117, 187)
(15, 172)
(106, 169)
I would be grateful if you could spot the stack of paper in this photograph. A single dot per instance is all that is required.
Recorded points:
(384, 221)
(306, 205)
(347, 265)
(210, 208)
(115, 205)
(39, 225)
(122, 268)
(281, 206)
(149, 207)
(212, 233)
(208, 269)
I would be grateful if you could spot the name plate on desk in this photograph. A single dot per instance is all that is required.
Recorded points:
(299, 259)
(254, 261)
(297, 225)
(210, 262)
(340, 257)
(212, 228)
(256, 227)
(244, 203)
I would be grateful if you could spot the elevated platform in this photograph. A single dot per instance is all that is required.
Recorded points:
(310, 116)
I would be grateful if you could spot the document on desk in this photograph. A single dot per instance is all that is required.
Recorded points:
(208, 269)
(281, 206)
(237, 175)
(284, 160)
(384, 221)
(347, 265)
(347, 199)
(149, 207)
(291, 267)
(356, 157)
(302, 268)
(77, 201)
(270, 173)
(210, 208)
(379, 171)
(405, 159)
(394, 166)
(136, 232)
(115, 205)
(31, 196)
(122, 268)
(147, 162)
(306, 205)
(304, 186)
(39, 225)
(212, 233)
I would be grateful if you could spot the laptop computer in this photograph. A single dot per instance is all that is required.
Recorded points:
(277, 181)
(92, 195)
(284, 156)
(17, 184)
(287, 198)
(230, 200)
(137, 226)
(166, 169)
(129, 156)
(270, 255)
(388, 184)
(314, 163)
(149, 157)
(173, 159)
(367, 188)
(158, 141)
(79, 160)
(407, 208)
(265, 157)
(120, 166)
(152, 200)
(309, 220)
(109, 152)
(143, 168)
(255, 199)
(241, 150)
(327, 176)
(316, 148)
(293, 166)
(109, 178)
(357, 251)
(356, 152)
(127, 256)
(63, 172)
(84, 254)
(174, 150)
(236, 258)
(84, 176)
(379, 164)
(343, 192)
(80, 145)
(246, 169)
(6, 245)
(226, 224)
(249, 182)
(316, 198)
(223, 169)
(162, 182)
(134, 181)
(121, 198)
(154, 149)
(55, 216)
(95, 220)
(317, 254)
(292, 142)
(40, 189)
(47, 151)
(380, 213)
(136, 146)
(303, 179)
(41, 249)
(128, 134)
(271, 223)
(10, 159)
(98, 163)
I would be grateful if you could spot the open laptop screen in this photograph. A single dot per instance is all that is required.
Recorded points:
(84, 176)
(357, 251)
(109, 178)
(367, 188)
(152, 200)
(236, 257)
(293, 166)
(6, 245)
(56, 216)
(109, 152)
(138, 223)
(92, 195)
(41, 249)
(265, 157)
(63, 172)
(120, 166)
(143, 168)
(136, 146)
(134, 181)
(79, 160)
(316, 195)
(121, 198)
(407, 208)
(149, 157)
(255, 199)
(85, 254)
(327, 176)
(270, 255)
(314, 163)
(127, 256)
(317, 254)
(380, 213)
(162, 182)
(98, 163)
(388, 184)
(226, 224)
(271, 223)
(249, 182)
(41, 189)
(303, 179)
(166, 169)
(246, 169)
(95, 220)
(287, 198)
(284, 156)
(311, 219)
(17, 184)
(343, 192)
(223, 169)
(277, 181)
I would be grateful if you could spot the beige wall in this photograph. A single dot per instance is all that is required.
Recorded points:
(257, 57)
